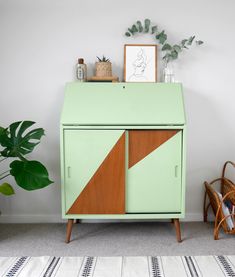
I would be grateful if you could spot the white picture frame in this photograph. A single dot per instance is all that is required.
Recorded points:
(140, 63)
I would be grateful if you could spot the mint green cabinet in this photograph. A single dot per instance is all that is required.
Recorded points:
(123, 152)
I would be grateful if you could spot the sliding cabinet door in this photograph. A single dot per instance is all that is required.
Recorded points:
(94, 171)
(154, 171)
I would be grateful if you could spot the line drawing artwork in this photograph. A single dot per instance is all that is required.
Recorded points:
(139, 66)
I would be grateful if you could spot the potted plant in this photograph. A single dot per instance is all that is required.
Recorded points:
(15, 144)
(103, 67)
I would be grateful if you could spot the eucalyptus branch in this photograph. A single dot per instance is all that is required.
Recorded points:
(171, 50)
(5, 176)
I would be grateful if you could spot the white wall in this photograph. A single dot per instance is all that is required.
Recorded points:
(40, 42)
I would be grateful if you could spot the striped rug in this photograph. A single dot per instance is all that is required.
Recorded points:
(159, 266)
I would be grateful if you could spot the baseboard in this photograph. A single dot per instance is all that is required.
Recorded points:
(193, 217)
(29, 218)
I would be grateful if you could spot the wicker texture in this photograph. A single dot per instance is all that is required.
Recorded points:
(211, 199)
(103, 69)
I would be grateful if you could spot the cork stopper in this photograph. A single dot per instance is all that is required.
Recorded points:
(81, 61)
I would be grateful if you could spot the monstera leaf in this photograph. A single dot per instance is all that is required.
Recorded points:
(30, 175)
(2, 131)
(15, 142)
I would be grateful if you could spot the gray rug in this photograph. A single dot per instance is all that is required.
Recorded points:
(113, 239)
(158, 266)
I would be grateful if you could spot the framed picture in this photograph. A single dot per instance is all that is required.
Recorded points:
(140, 63)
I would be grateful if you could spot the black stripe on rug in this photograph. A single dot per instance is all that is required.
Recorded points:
(16, 267)
(156, 269)
(87, 269)
(51, 267)
(226, 266)
(191, 266)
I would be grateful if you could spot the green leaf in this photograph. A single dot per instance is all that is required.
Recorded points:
(166, 47)
(162, 37)
(127, 34)
(99, 59)
(167, 57)
(199, 42)
(153, 29)
(130, 30)
(147, 23)
(134, 29)
(177, 48)
(140, 26)
(190, 40)
(2, 131)
(15, 143)
(3, 135)
(6, 189)
(30, 175)
(174, 55)
(183, 42)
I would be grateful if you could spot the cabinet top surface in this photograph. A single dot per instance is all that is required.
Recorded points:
(93, 104)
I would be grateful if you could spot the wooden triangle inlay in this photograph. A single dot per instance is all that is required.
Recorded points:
(143, 142)
(105, 192)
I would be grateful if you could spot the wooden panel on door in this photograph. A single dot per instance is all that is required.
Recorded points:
(143, 142)
(104, 191)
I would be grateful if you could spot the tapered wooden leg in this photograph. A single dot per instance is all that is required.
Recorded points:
(177, 229)
(69, 230)
(216, 235)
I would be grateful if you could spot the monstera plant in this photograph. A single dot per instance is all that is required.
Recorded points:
(16, 141)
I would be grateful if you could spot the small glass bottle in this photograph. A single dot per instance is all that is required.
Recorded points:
(81, 71)
(168, 73)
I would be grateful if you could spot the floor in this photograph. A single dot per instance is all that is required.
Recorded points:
(113, 239)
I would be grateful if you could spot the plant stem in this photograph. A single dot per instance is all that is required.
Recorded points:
(5, 176)
(23, 159)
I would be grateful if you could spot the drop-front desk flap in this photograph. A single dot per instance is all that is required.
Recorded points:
(101, 104)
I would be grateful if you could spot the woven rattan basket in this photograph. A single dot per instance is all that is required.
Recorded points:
(227, 189)
(103, 69)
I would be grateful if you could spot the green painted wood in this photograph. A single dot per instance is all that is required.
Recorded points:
(125, 216)
(121, 127)
(84, 150)
(123, 104)
(154, 183)
(183, 170)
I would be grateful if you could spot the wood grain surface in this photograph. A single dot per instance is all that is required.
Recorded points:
(143, 142)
